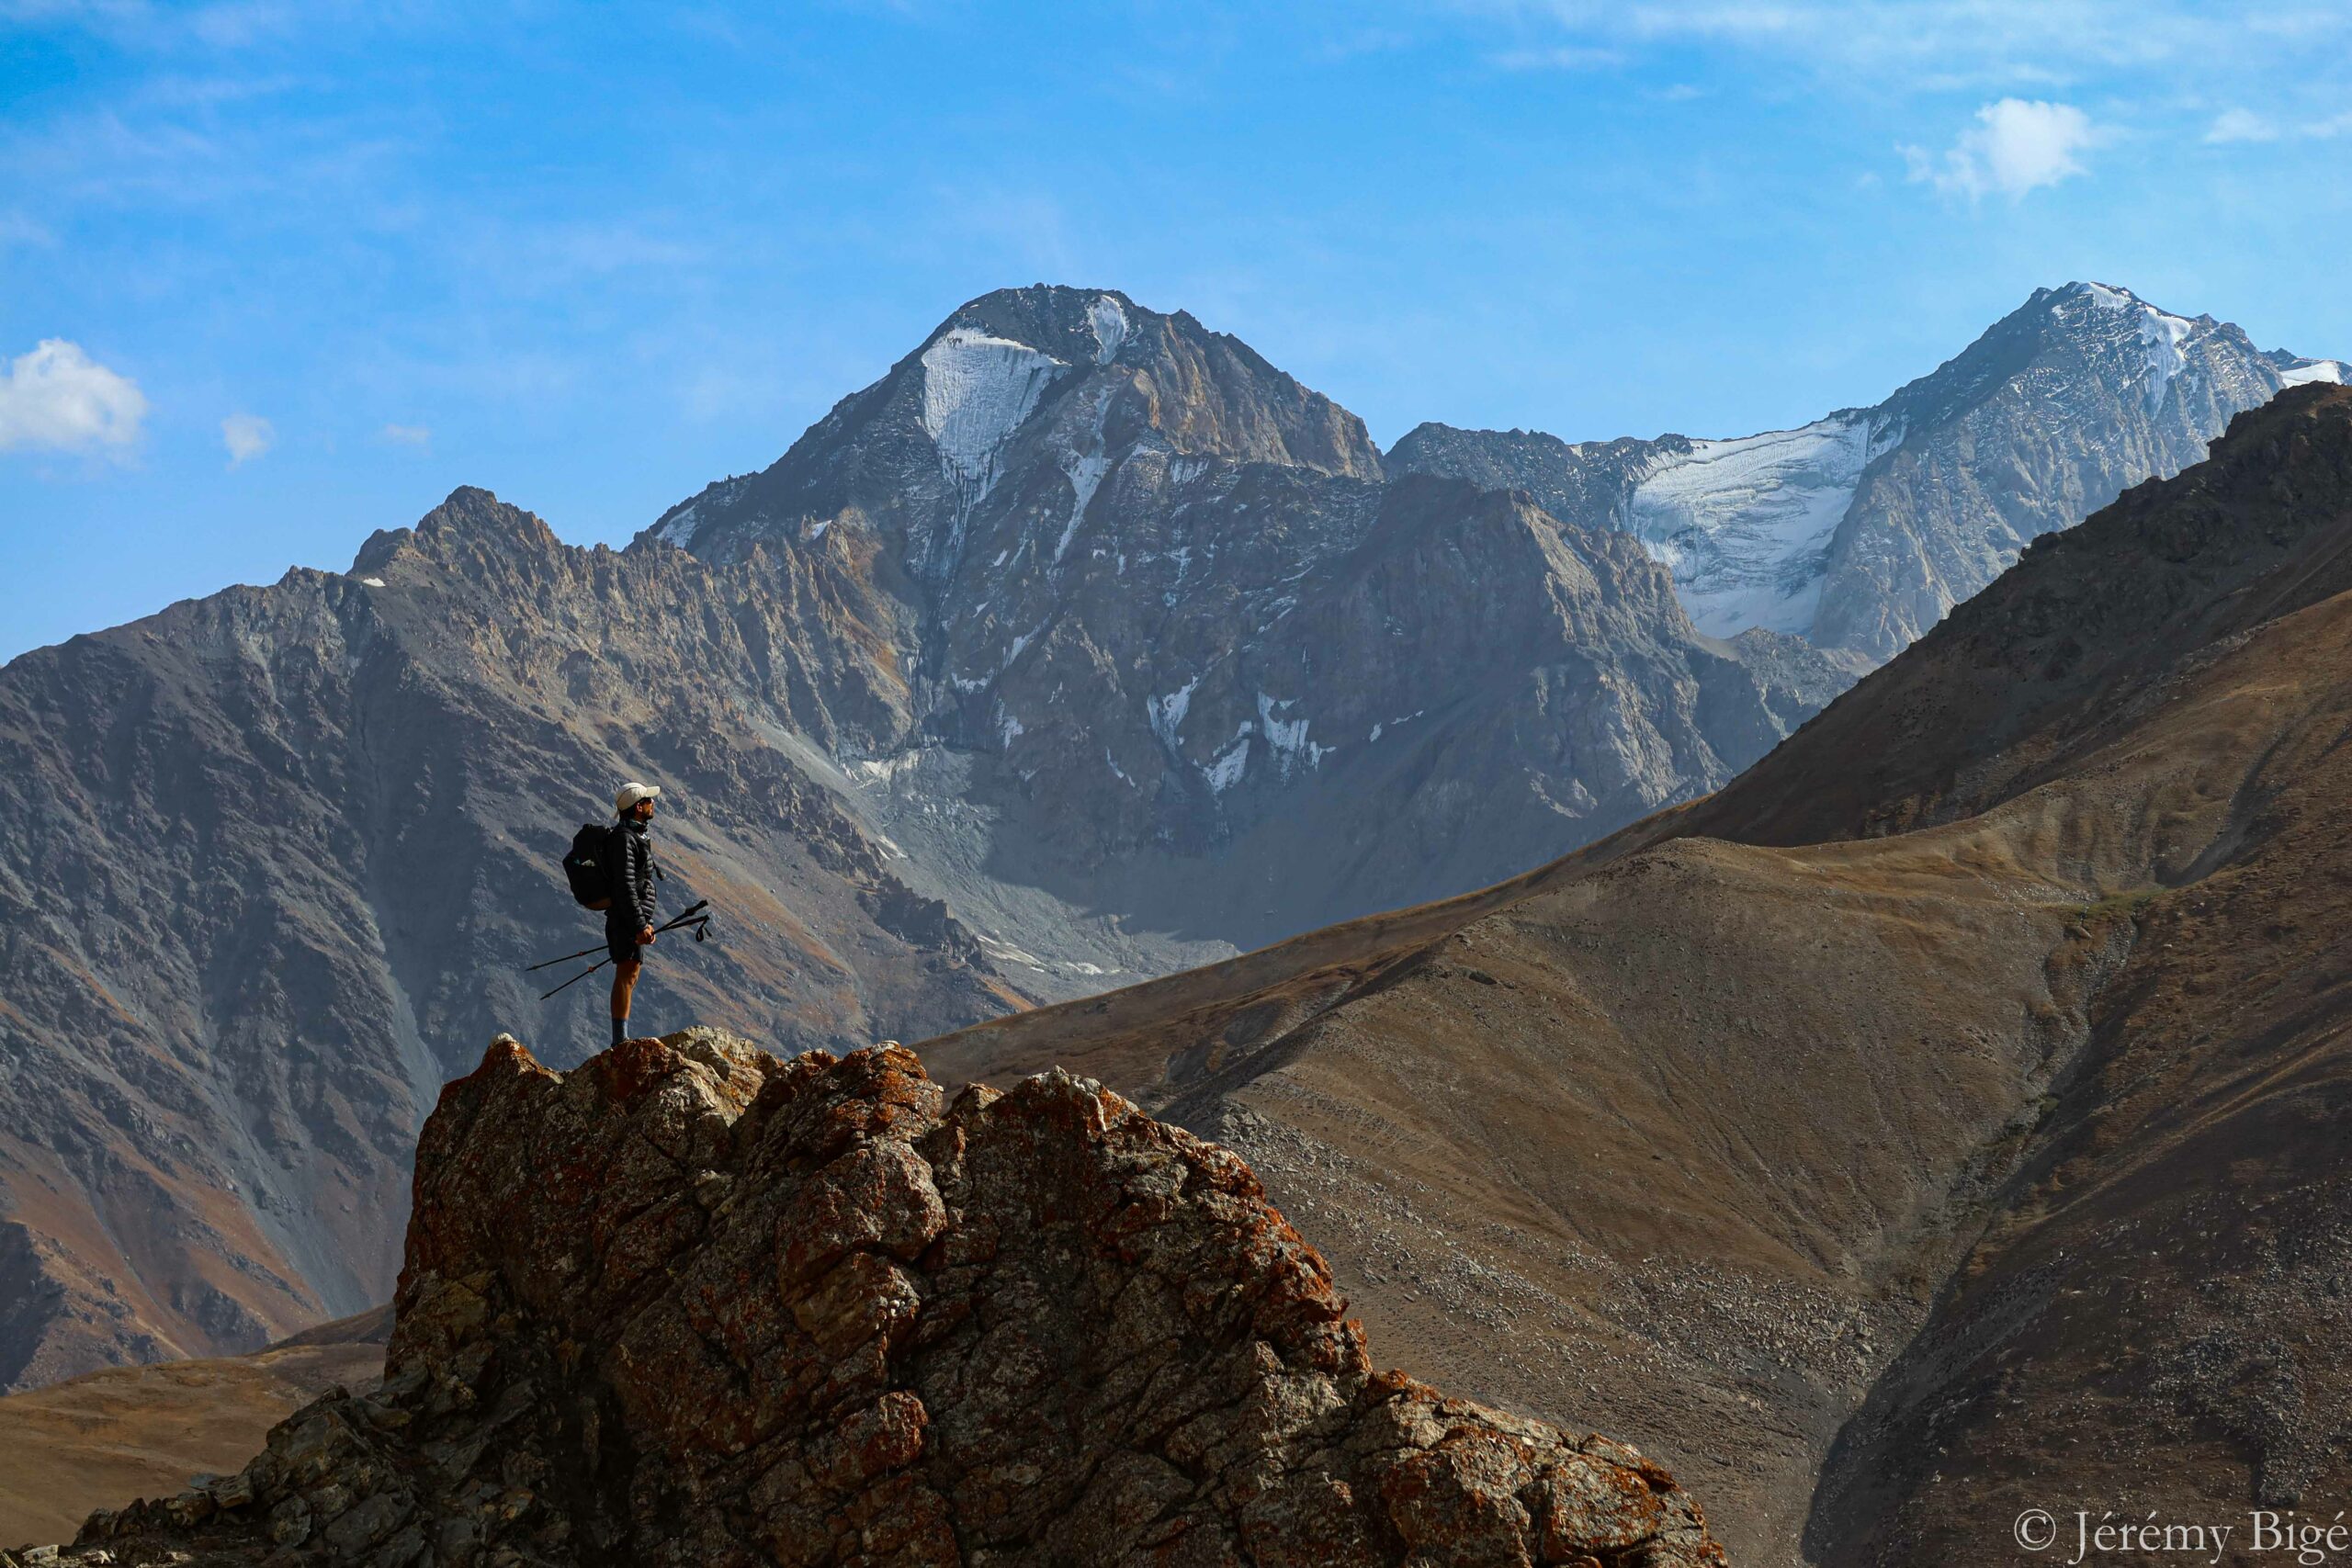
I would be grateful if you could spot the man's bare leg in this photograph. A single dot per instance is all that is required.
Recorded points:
(624, 987)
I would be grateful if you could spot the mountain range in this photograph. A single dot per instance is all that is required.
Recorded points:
(1083, 646)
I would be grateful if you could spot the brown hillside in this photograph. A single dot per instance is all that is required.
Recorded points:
(92, 1441)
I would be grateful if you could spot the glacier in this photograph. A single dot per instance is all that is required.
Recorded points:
(977, 390)
(1743, 524)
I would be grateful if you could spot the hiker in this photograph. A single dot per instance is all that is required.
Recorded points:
(629, 921)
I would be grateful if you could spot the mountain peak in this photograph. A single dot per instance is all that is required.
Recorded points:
(468, 520)
(1074, 325)
(1023, 397)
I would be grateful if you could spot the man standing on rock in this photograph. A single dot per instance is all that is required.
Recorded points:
(628, 920)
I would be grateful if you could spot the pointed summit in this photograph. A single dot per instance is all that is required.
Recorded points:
(1018, 392)
(470, 523)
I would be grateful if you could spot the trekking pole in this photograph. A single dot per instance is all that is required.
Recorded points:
(565, 959)
(683, 915)
(701, 926)
(576, 978)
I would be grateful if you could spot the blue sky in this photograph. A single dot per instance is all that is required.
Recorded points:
(275, 275)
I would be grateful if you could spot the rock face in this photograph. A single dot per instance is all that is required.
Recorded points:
(1861, 530)
(690, 1305)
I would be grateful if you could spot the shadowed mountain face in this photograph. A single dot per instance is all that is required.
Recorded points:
(1943, 1120)
(1861, 530)
(1083, 645)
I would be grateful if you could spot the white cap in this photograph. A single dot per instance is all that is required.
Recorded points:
(632, 792)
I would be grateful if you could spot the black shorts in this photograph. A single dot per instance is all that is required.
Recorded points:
(620, 937)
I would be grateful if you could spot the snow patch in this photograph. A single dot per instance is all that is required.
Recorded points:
(1085, 473)
(1227, 770)
(680, 530)
(373, 582)
(817, 531)
(2162, 335)
(1008, 728)
(977, 390)
(1287, 736)
(1166, 715)
(1020, 642)
(1109, 320)
(1743, 524)
(884, 770)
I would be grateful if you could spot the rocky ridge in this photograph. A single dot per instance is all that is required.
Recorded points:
(693, 1305)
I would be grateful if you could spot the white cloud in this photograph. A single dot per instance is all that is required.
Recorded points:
(2015, 145)
(247, 436)
(406, 436)
(57, 398)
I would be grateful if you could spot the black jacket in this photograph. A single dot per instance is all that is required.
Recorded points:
(633, 874)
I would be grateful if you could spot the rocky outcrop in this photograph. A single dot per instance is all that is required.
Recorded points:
(691, 1304)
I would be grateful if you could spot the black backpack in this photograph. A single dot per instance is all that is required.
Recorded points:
(590, 865)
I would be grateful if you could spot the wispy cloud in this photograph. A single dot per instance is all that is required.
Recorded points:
(247, 436)
(18, 230)
(1559, 57)
(140, 23)
(1935, 44)
(58, 399)
(2240, 125)
(2016, 146)
(405, 435)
